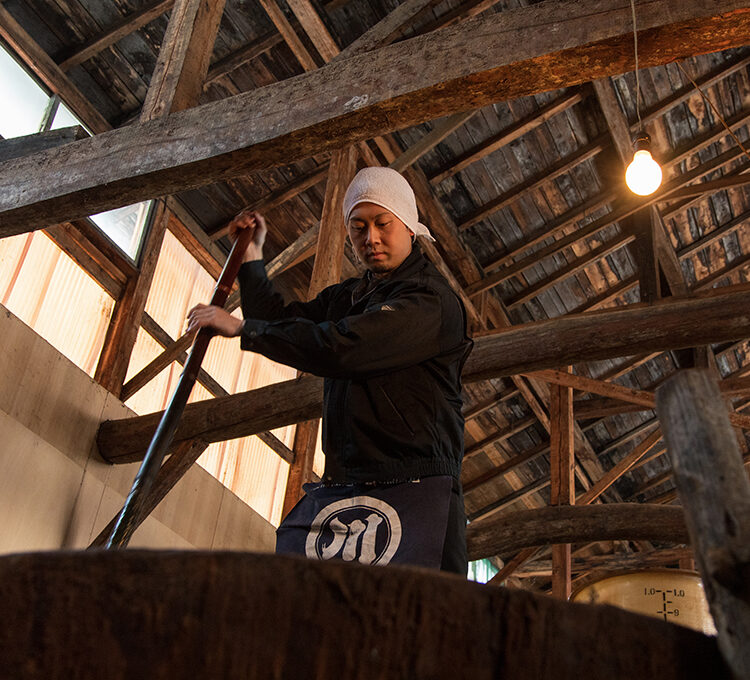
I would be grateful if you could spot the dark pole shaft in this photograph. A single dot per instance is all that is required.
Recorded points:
(130, 515)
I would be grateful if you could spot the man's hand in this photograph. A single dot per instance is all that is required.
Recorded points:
(210, 316)
(255, 221)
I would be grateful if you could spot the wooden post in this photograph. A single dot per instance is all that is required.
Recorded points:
(175, 85)
(326, 271)
(715, 493)
(562, 490)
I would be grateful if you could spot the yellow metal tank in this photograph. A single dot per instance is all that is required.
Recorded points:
(669, 594)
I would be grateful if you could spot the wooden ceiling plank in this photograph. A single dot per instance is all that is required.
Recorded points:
(624, 208)
(485, 405)
(606, 248)
(431, 140)
(125, 26)
(688, 91)
(387, 29)
(619, 469)
(553, 228)
(242, 56)
(265, 127)
(515, 131)
(281, 195)
(499, 436)
(585, 153)
(511, 464)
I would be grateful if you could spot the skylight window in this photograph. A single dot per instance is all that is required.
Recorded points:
(29, 112)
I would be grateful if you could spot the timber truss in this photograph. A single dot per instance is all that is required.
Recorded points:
(525, 433)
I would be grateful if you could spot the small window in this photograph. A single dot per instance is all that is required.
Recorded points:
(29, 101)
(124, 226)
(28, 114)
(64, 117)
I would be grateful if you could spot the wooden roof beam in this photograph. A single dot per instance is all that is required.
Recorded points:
(278, 124)
(125, 26)
(668, 324)
(510, 532)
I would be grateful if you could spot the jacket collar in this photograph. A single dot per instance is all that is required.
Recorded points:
(414, 262)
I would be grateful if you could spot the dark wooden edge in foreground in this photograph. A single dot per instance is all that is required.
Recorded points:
(160, 615)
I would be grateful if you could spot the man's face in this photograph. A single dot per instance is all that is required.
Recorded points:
(380, 239)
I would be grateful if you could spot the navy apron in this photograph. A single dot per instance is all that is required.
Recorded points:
(401, 523)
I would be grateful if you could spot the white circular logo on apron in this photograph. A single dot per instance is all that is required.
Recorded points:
(362, 529)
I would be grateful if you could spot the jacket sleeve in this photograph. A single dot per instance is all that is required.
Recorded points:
(400, 332)
(261, 301)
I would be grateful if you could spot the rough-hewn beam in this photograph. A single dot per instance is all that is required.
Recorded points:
(500, 56)
(184, 56)
(510, 532)
(238, 415)
(619, 561)
(670, 324)
(41, 141)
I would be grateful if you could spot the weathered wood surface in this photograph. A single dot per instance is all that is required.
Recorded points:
(160, 615)
(466, 66)
(41, 141)
(508, 533)
(670, 324)
(184, 56)
(238, 415)
(715, 493)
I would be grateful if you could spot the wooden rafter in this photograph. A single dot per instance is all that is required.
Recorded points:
(509, 532)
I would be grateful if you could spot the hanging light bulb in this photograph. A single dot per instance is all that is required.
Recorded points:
(643, 175)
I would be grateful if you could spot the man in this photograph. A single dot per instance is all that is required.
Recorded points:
(391, 346)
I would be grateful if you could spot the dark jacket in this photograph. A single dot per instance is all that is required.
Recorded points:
(391, 352)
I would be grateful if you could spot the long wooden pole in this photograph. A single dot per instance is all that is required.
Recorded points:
(129, 516)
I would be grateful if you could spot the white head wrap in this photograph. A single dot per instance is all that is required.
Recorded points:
(389, 189)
